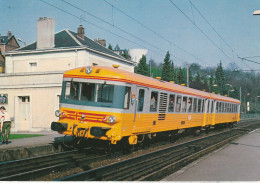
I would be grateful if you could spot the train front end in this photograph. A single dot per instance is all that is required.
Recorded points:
(91, 105)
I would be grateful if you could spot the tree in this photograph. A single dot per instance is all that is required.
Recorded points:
(110, 47)
(172, 73)
(166, 70)
(220, 79)
(142, 67)
(125, 54)
(181, 76)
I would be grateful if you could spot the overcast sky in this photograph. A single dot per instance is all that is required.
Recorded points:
(184, 27)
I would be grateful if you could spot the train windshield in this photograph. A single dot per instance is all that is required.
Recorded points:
(96, 94)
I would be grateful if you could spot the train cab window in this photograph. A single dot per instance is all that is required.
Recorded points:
(87, 91)
(178, 104)
(105, 93)
(127, 97)
(199, 105)
(154, 101)
(140, 100)
(189, 104)
(72, 90)
(194, 106)
(171, 103)
(184, 104)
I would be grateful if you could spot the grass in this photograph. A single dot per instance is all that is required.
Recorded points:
(20, 136)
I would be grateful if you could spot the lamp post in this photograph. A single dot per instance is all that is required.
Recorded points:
(230, 91)
(19, 39)
(245, 101)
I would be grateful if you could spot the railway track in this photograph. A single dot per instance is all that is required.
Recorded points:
(33, 168)
(158, 164)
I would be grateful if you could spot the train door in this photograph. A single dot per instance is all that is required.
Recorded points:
(139, 110)
(213, 112)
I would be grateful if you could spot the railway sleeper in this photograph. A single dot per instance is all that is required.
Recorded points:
(32, 174)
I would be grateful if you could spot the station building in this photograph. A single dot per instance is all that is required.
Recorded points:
(33, 74)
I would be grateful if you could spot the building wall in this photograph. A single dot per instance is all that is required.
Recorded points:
(59, 61)
(32, 99)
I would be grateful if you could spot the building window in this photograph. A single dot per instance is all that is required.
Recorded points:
(33, 66)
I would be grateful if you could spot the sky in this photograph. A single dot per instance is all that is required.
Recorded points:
(193, 31)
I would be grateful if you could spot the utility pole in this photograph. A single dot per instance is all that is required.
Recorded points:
(187, 75)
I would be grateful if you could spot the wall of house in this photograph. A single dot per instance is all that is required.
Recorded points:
(32, 99)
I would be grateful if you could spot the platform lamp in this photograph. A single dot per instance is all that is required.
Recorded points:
(19, 39)
(245, 101)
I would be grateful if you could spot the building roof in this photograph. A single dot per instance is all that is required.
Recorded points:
(69, 39)
(4, 39)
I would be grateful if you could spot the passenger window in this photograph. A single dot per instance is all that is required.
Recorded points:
(202, 105)
(171, 103)
(194, 108)
(189, 104)
(208, 106)
(212, 106)
(217, 103)
(184, 104)
(127, 97)
(154, 101)
(199, 105)
(178, 104)
(140, 100)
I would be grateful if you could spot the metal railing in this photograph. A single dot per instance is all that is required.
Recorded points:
(246, 116)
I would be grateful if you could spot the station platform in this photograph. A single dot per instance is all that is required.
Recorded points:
(237, 161)
(47, 138)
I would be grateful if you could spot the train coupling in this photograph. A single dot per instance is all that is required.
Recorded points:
(99, 131)
(55, 126)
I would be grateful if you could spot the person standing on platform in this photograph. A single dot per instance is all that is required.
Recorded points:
(6, 124)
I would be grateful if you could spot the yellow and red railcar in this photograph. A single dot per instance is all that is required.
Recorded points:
(110, 104)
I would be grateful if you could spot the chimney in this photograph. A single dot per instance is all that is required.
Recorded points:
(45, 33)
(9, 34)
(81, 32)
(101, 42)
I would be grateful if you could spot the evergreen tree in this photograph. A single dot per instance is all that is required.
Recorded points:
(211, 81)
(172, 73)
(142, 67)
(166, 70)
(125, 54)
(110, 47)
(181, 76)
(220, 79)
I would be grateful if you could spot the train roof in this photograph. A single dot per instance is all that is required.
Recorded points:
(115, 74)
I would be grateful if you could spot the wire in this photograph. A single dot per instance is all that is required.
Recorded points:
(159, 35)
(249, 60)
(199, 29)
(210, 25)
(97, 26)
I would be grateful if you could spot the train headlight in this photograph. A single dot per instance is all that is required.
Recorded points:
(88, 70)
(57, 113)
(111, 119)
(83, 116)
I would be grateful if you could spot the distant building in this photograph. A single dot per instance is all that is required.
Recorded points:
(7, 43)
(136, 54)
(121, 52)
(31, 86)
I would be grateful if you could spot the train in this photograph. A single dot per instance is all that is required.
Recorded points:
(111, 105)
